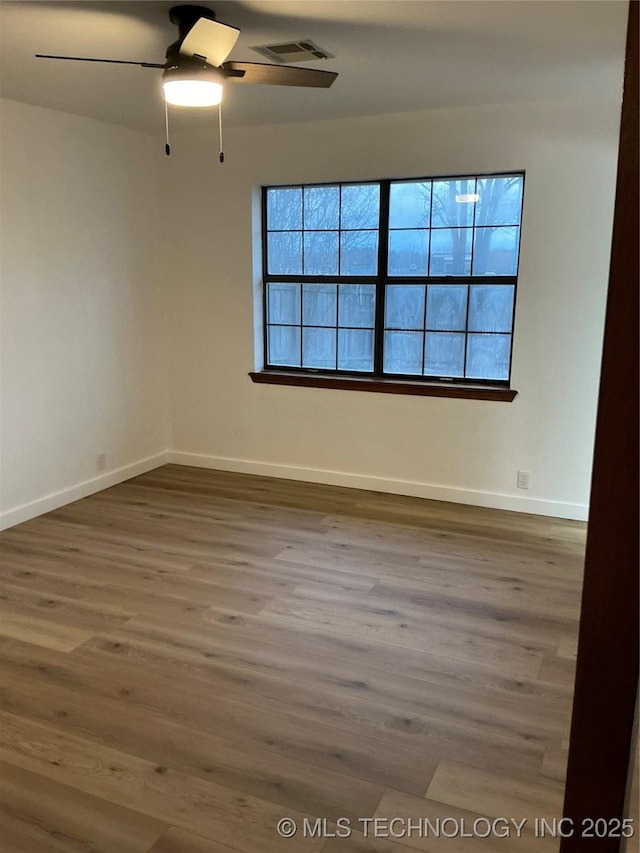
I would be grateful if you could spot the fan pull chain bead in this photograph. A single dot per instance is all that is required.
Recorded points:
(167, 147)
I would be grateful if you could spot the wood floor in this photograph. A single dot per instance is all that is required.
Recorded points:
(191, 656)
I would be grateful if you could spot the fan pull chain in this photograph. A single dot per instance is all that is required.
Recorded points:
(220, 130)
(167, 147)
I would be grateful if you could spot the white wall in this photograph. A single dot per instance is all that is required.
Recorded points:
(443, 448)
(116, 260)
(82, 368)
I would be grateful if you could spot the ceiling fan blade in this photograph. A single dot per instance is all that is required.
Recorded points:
(279, 75)
(91, 59)
(210, 40)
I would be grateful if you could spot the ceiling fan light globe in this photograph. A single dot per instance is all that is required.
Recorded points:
(192, 93)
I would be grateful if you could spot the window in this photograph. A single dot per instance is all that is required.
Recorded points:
(405, 279)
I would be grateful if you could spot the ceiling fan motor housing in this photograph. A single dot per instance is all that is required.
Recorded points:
(188, 69)
(185, 17)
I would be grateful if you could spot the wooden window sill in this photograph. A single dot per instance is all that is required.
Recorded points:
(384, 386)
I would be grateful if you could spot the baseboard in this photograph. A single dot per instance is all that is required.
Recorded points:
(24, 512)
(494, 500)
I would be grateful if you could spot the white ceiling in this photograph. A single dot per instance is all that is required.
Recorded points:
(394, 56)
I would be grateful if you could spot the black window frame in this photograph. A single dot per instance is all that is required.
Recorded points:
(382, 279)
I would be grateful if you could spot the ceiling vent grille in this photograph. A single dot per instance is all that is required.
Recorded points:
(293, 52)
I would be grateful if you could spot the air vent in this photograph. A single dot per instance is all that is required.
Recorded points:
(293, 52)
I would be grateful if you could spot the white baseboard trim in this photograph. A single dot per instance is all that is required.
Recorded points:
(26, 511)
(494, 500)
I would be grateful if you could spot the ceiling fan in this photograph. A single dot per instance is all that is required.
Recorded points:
(195, 70)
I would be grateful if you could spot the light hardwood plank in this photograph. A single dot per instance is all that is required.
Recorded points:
(495, 794)
(123, 596)
(454, 829)
(315, 684)
(358, 843)
(153, 790)
(41, 815)
(67, 612)
(371, 621)
(179, 841)
(568, 647)
(237, 764)
(283, 572)
(17, 842)
(513, 595)
(141, 582)
(554, 764)
(40, 631)
(192, 701)
(558, 670)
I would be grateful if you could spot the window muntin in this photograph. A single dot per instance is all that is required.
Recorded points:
(323, 230)
(321, 326)
(394, 278)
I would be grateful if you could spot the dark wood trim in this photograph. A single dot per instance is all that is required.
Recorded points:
(384, 386)
(607, 667)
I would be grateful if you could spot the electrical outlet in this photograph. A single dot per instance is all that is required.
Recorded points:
(523, 479)
(101, 461)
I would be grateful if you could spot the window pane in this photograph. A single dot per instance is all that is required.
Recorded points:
(444, 354)
(321, 207)
(360, 207)
(355, 349)
(495, 251)
(451, 203)
(285, 252)
(403, 352)
(359, 253)
(410, 204)
(491, 308)
(500, 201)
(321, 252)
(404, 306)
(319, 305)
(357, 305)
(284, 345)
(452, 243)
(488, 356)
(408, 252)
(284, 209)
(450, 251)
(319, 348)
(283, 303)
(447, 307)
